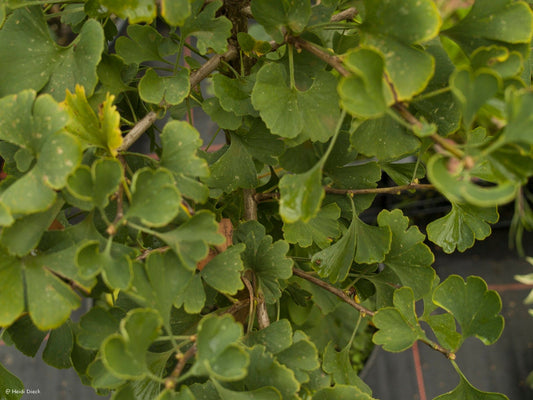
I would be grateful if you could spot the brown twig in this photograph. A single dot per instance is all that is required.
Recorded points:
(147, 252)
(136, 132)
(250, 205)
(385, 190)
(349, 13)
(435, 346)
(182, 358)
(332, 289)
(331, 59)
(210, 65)
(443, 142)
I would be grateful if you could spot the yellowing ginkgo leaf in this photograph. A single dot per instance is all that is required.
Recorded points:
(100, 130)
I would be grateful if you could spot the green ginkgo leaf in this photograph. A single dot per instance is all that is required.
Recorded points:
(289, 112)
(465, 390)
(32, 59)
(143, 43)
(35, 125)
(157, 89)
(393, 27)
(398, 326)
(493, 22)
(124, 353)
(113, 262)
(473, 89)
(301, 195)
(409, 258)
(474, 306)
(267, 260)
(133, 10)
(175, 12)
(461, 227)
(155, 199)
(180, 144)
(191, 240)
(364, 93)
(275, 15)
(222, 358)
(96, 184)
(210, 31)
(320, 229)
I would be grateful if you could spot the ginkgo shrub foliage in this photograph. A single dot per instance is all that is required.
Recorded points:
(251, 272)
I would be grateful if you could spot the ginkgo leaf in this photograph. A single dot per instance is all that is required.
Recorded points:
(320, 229)
(393, 27)
(461, 227)
(268, 260)
(398, 326)
(102, 130)
(274, 15)
(209, 30)
(157, 89)
(364, 92)
(32, 59)
(180, 144)
(493, 22)
(136, 11)
(289, 112)
(155, 199)
(409, 258)
(124, 353)
(476, 308)
(143, 43)
(223, 359)
(35, 125)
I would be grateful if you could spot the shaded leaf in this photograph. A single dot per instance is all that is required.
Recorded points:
(191, 240)
(234, 169)
(320, 229)
(96, 325)
(338, 364)
(268, 260)
(221, 358)
(341, 392)
(180, 142)
(234, 94)
(143, 43)
(210, 31)
(472, 90)
(301, 195)
(223, 273)
(10, 386)
(274, 15)
(59, 346)
(224, 119)
(493, 22)
(384, 138)
(265, 371)
(124, 353)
